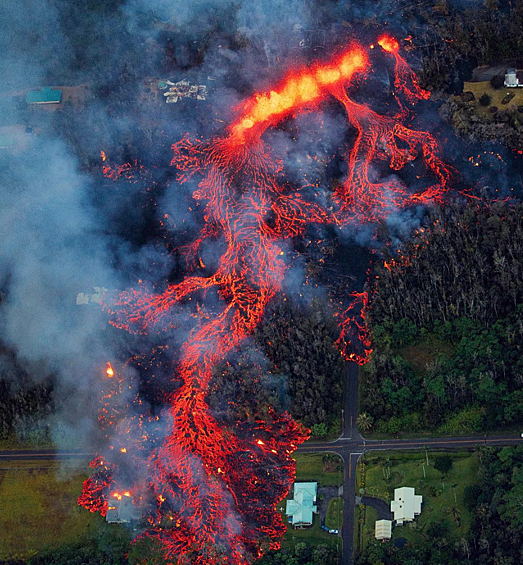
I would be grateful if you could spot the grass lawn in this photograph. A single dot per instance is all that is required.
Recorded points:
(334, 516)
(442, 495)
(38, 508)
(310, 467)
(497, 95)
(312, 536)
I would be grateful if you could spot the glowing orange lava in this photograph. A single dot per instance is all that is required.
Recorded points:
(218, 487)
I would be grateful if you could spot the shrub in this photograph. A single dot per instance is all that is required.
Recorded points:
(497, 81)
(443, 464)
(485, 99)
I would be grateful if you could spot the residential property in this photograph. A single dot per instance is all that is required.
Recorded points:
(383, 529)
(406, 505)
(301, 508)
(513, 78)
(175, 91)
(121, 509)
(44, 95)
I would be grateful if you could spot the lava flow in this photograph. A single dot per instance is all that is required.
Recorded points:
(215, 490)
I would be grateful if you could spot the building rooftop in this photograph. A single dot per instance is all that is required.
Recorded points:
(45, 95)
(301, 508)
(406, 505)
(121, 509)
(383, 529)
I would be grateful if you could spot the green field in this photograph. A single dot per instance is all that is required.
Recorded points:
(38, 508)
(311, 467)
(442, 494)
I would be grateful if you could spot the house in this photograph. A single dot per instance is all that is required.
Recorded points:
(301, 508)
(121, 509)
(406, 505)
(383, 529)
(182, 89)
(513, 78)
(45, 95)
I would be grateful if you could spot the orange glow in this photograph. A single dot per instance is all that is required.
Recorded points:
(123, 450)
(389, 44)
(299, 89)
(109, 371)
(103, 156)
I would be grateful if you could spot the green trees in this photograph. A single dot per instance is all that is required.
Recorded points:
(364, 422)
(443, 463)
(446, 326)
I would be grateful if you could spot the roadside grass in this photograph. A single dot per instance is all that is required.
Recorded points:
(334, 515)
(365, 520)
(310, 467)
(442, 494)
(38, 508)
(497, 95)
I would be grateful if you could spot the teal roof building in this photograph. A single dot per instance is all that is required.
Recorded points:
(302, 507)
(45, 95)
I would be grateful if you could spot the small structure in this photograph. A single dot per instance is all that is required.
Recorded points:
(406, 505)
(6, 141)
(383, 529)
(95, 298)
(513, 78)
(45, 95)
(182, 89)
(121, 509)
(301, 508)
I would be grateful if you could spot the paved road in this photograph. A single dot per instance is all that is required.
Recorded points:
(44, 454)
(351, 446)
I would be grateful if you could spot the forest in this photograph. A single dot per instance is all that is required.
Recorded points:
(446, 325)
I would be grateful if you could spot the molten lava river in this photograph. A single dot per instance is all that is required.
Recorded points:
(210, 494)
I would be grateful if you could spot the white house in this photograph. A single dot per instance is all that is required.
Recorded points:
(514, 78)
(406, 505)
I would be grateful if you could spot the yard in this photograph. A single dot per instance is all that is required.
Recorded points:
(325, 468)
(379, 474)
(38, 508)
(497, 95)
(334, 516)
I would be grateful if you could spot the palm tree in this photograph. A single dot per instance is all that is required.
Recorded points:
(364, 422)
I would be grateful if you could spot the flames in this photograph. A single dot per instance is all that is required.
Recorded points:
(208, 486)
